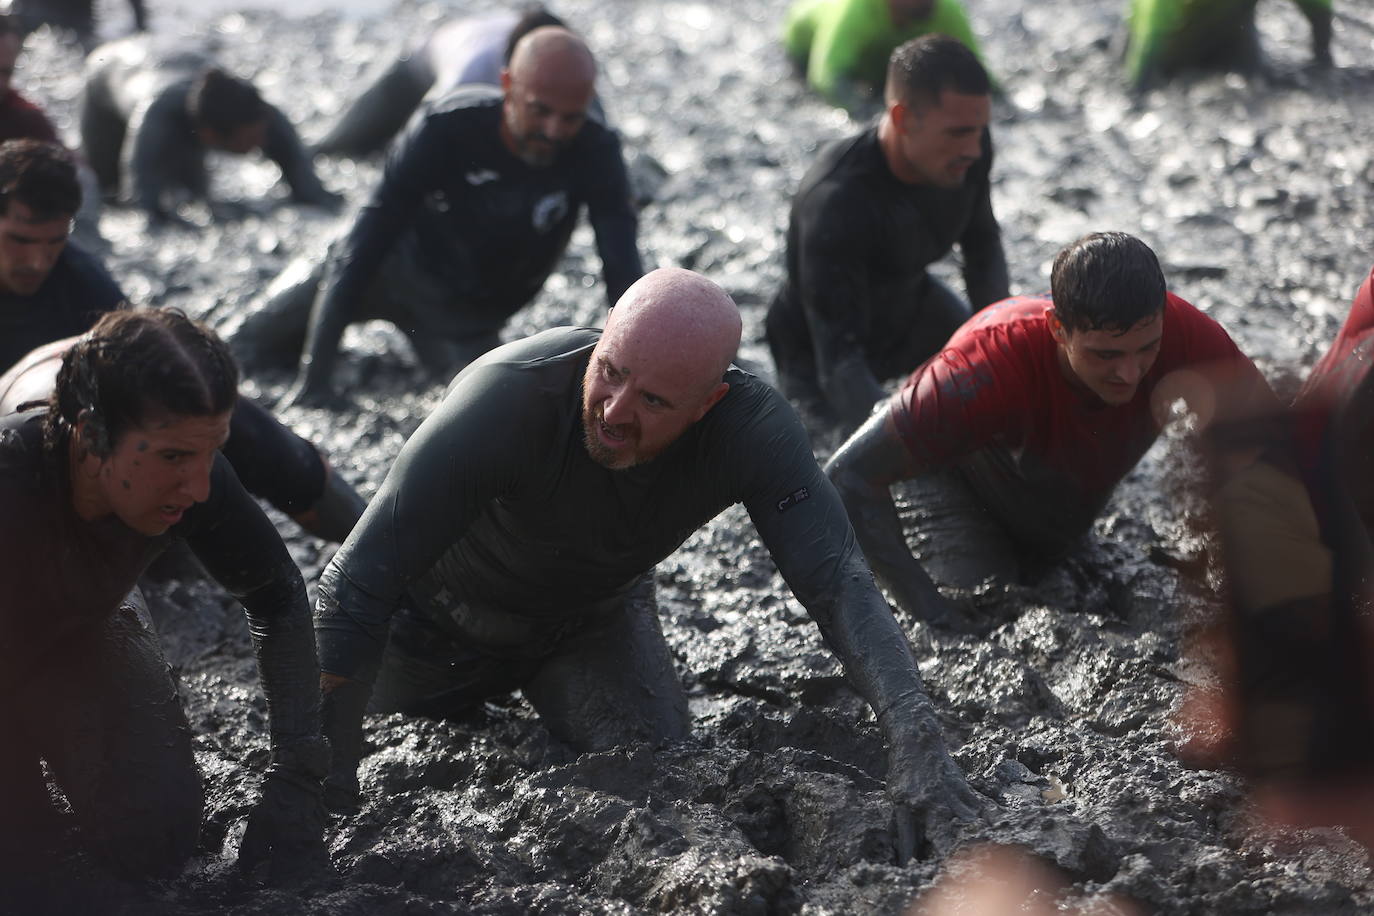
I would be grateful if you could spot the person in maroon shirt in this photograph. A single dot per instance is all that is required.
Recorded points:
(1290, 699)
(1021, 427)
(19, 118)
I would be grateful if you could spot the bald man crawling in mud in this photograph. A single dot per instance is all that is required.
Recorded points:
(513, 544)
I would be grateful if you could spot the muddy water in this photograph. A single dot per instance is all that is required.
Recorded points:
(1255, 193)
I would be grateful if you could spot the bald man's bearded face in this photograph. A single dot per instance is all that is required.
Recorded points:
(632, 410)
(540, 118)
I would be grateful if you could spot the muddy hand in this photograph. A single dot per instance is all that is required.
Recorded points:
(932, 803)
(286, 829)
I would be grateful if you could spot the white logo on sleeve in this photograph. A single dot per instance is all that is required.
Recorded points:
(482, 176)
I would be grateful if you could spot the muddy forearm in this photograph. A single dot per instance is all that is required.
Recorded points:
(879, 532)
(850, 387)
(285, 647)
(879, 663)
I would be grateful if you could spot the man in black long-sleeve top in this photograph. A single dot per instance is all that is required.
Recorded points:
(475, 208)
(874, 211)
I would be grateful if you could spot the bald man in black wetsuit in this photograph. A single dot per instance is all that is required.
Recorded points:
(478, 201)
(492, 561)
(875, 210)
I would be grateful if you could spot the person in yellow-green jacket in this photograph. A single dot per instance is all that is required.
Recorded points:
(1169, 35)
(842, 46)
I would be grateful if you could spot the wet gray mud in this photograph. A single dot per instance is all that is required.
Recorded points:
(1255, 193)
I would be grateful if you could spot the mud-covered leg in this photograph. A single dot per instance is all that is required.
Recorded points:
(120, 748)
(273, 334)
(380, 111)
(613, 683)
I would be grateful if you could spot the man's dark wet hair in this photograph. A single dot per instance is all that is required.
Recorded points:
(41, 176)
(922, 68)
(533, 17)
(136, 364)
(223, 102)
(1106, 281)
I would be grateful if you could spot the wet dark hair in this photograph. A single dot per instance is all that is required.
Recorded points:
(223, 102)
(135, 364)
(533, 17)
(41, 176)
(922, 68)
(1106, 281)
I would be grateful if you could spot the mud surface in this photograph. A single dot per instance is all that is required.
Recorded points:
(1256, 194)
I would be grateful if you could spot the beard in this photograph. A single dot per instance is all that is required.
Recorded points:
(613, 459)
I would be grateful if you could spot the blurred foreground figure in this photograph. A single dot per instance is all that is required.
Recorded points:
(475, 208)
(1002, 880)
(121, 462)
(1019, 430)
(494, 560)
(76, 16)
(842, 46)
(872, 213)
(51, 289)
(160, 113)
(1294, 707)
(460, 52)
(1167, 36)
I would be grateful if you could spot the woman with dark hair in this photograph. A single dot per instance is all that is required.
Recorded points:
(123, 460)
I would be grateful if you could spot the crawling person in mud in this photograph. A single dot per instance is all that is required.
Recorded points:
(1292, 706)
(52, 289)
(513, 544)
(842, 46)
(475, 208)
(464, 51)
(122, 461)
(1017, 432)
(1168, 36)
(875, 210)
(162, 112)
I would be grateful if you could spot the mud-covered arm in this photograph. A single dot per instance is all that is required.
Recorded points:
(863, 472)
(836, 297)
(444, 477)
(985, 261)
(807, 532)
(241, 549)
(162, 143)
(613, 219)
(283, 146)
(414, 167)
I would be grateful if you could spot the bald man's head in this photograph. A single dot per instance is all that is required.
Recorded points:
(548, 85)
(658, 367)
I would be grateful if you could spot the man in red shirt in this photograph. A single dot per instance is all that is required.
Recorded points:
(1021, 427)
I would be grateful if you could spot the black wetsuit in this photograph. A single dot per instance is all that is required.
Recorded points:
(517, 561)
(85, 685)
(134, 97)
(857, 306)
(458, 236)
(272, 462)
(76, 292)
